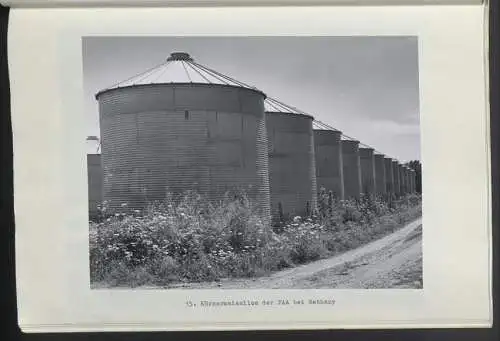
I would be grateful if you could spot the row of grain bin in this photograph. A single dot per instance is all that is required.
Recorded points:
(182, 126)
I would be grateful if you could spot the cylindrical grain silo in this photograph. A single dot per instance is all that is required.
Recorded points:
(396, 179)
(329, 172)
(292, 166)
(412, 180)
(367, 164)
(380, 177)
(160, 135)
(417, 183)
(410, 184)
(389, 175)
(402, 183)
(94, 178)
(407, 179)
(352, 168)
(409, 176)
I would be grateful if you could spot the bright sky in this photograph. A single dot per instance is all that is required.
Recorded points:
(366, 87)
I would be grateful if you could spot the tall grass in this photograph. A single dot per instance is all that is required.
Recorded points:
(189, 239)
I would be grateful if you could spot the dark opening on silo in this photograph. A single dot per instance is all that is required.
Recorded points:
(178, 127)
(292, 170)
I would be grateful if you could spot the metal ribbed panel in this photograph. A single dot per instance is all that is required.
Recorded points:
(402, 184)
(292, 169)
(396, 179)
(94, 178)
(175, 137)
(412, 181)
(367, 163)
(327, 151)
(262, 161)
(404, 174)
(409, 177)
(352, 168)
(402, 187)
(389, 175)
(380, 177)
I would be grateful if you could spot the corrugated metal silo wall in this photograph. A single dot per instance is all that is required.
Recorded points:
(389, 175)
(408, 174)
(410, 185)
(412, 177)
(94, 180)
(175, 137)
(402, 181)
(407, 180)
(367, 163)
(404, 174)
(395, 170)
(292, 169)
(352, 169)
(328, 153)
(380, 180)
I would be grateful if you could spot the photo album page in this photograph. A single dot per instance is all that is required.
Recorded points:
(258, 167)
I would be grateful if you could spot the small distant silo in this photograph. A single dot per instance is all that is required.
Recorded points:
(178, 127)
(416, 182)
(94, 178)
(396, 177)
(328, 153)
(292, 165)
(412, 180)
(408, 176)
(389, 175)
(407, 179)
(367, 163)
(352, 168)
(402, 179)
(380, 177)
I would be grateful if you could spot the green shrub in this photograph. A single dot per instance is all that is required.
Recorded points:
(188, 239)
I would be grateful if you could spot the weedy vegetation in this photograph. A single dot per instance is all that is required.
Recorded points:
(188, 239)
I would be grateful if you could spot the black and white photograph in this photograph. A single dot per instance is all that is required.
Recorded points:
(232, 162)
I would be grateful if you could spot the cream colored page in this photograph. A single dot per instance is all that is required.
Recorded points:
(50, 180)
(84, 3)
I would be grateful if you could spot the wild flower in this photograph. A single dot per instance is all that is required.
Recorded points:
(185, 238)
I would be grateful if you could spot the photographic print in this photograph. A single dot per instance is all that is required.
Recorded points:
(253, 162)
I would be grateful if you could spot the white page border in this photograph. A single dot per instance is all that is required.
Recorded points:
(51, 185)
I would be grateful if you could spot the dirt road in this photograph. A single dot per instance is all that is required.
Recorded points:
(394, 261)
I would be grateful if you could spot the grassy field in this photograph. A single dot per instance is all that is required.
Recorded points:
(186, 239)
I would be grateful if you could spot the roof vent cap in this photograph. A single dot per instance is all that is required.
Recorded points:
(179, 56)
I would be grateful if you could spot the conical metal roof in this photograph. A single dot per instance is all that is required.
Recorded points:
(274, 105)
(180, 67)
